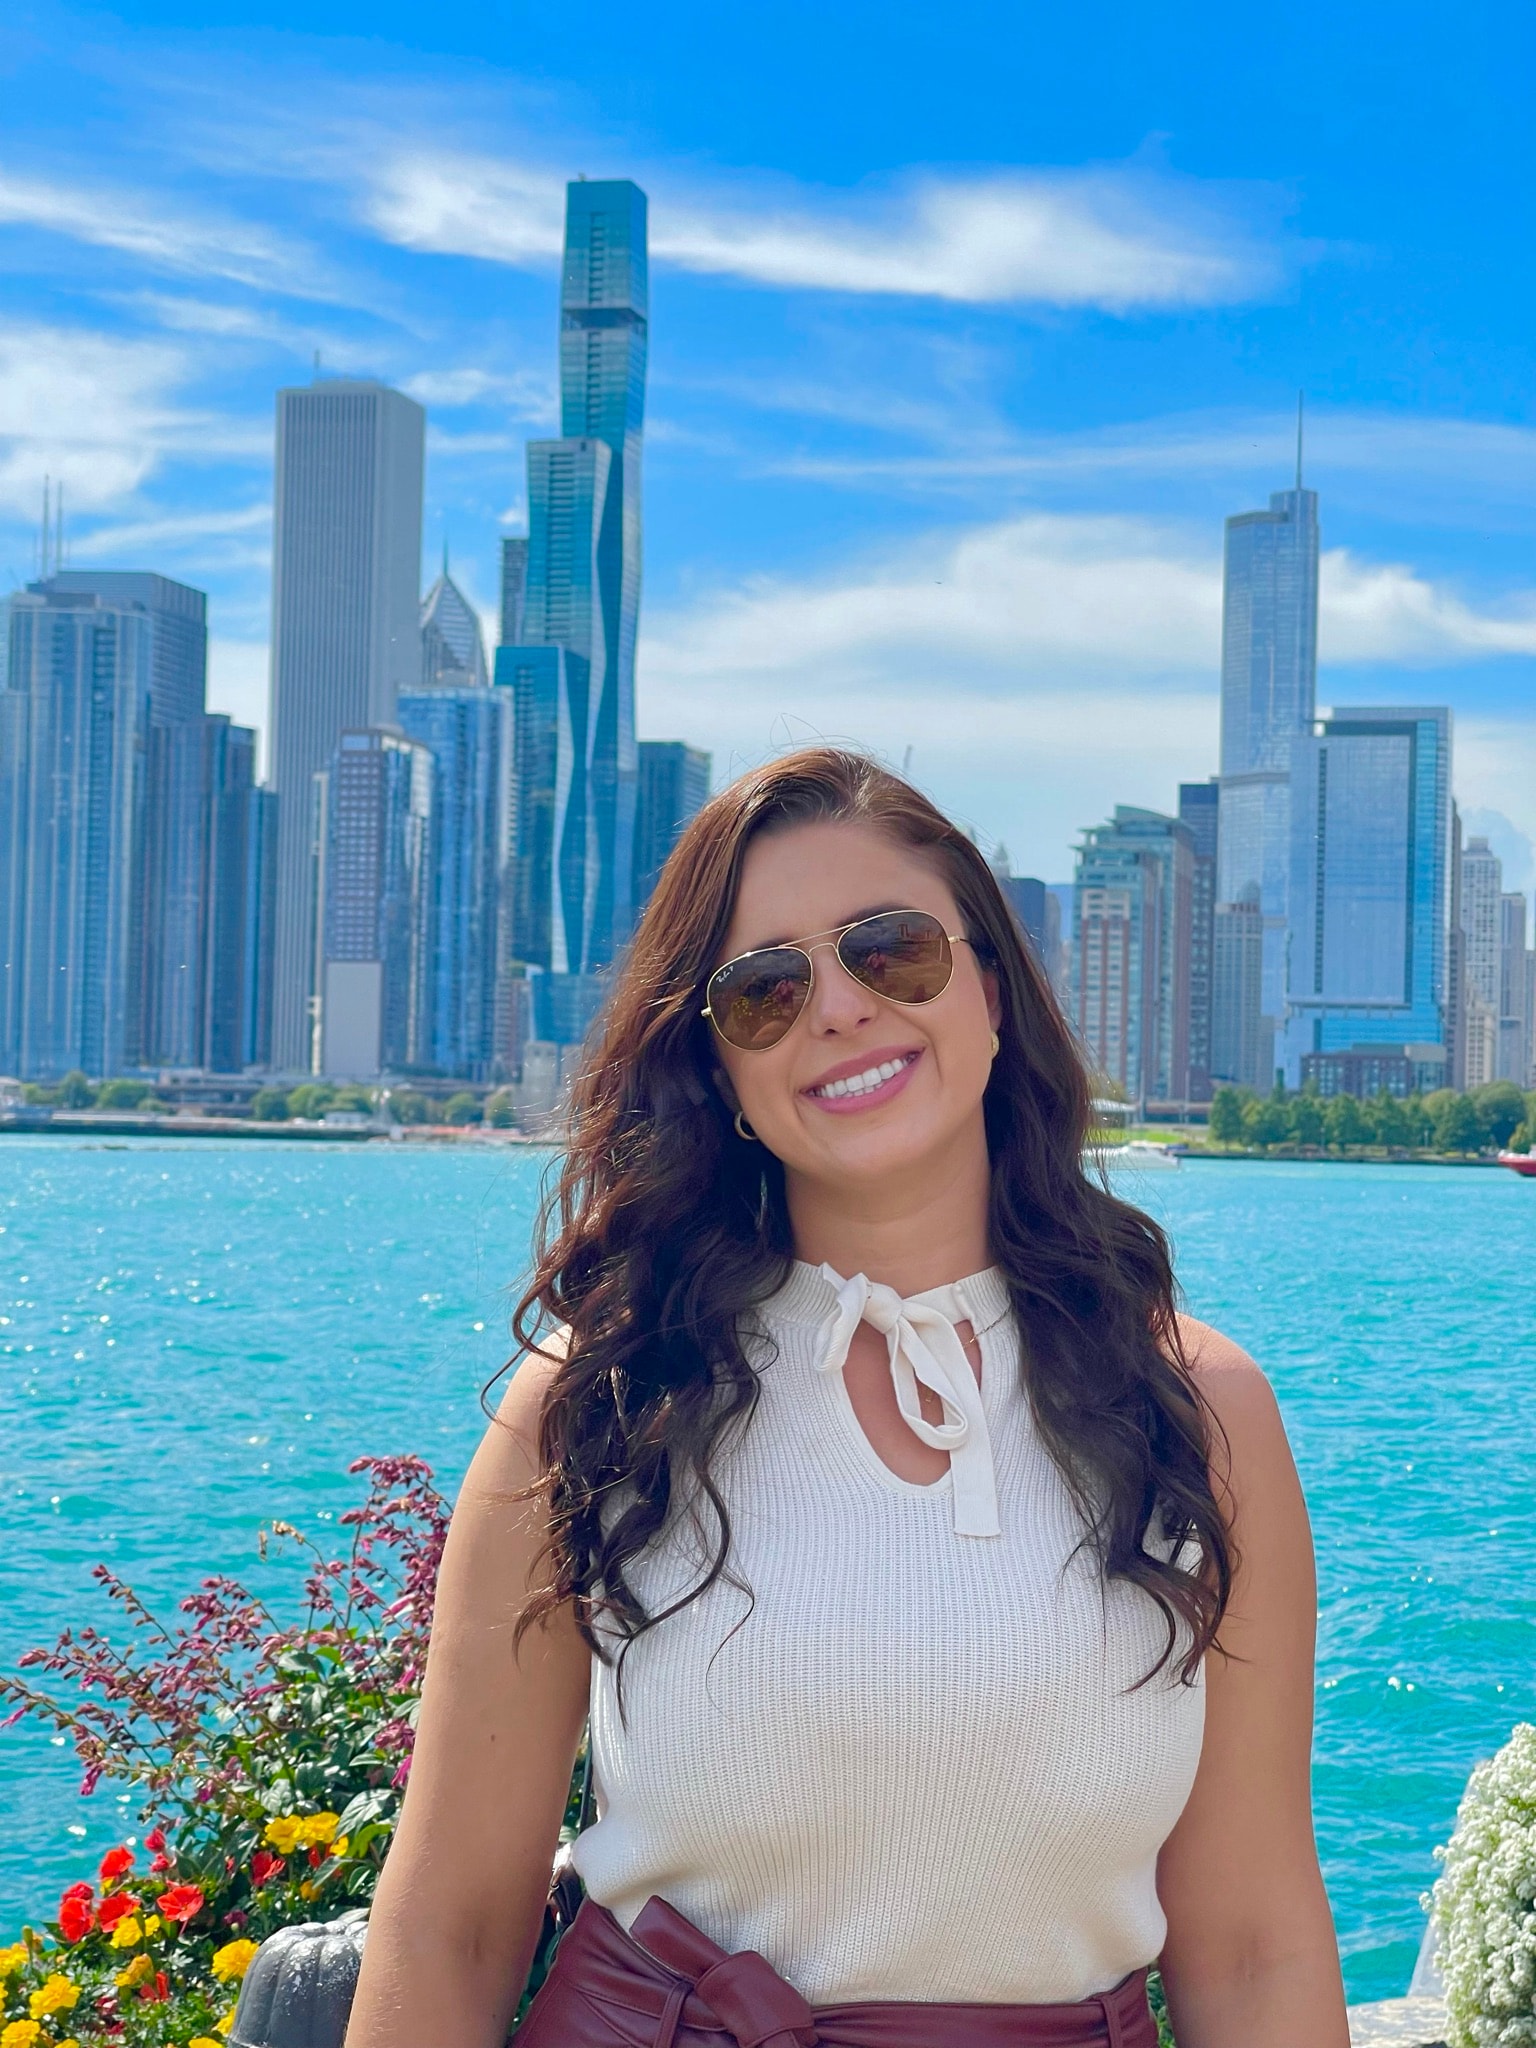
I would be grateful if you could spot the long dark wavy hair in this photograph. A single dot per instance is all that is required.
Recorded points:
(664, 1228)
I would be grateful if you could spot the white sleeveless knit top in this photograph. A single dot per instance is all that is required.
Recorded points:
(913, 1765)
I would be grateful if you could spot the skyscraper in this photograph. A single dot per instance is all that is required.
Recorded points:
(73, 788)
(468, 734)
(346, 635)
(1482, 886)
(452, 650)
(167, 1029)
(373, 882)
(1131, 950)
(1268, 697)
(1242, 1044)
(1199, 809)
(235, 944)
(1514, 1055)
(514, 587)
(582, 596)
(1370, 883)
(673, 787)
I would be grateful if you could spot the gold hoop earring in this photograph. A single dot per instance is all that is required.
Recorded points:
(996, 1045)
(744, 1129)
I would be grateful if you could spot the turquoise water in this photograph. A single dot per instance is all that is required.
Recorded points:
(199, 1337)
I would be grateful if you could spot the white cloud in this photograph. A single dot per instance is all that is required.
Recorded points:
(527, 394)
(1385, 612)
(141, 535)
(92, 410)
(147, 228)
(1496, 788)
(1119, 240)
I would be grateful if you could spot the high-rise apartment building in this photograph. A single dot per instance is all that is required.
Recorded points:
(1482, 888)
(1133, 902)
(514, 587)
(375, 804)
(468, 734)
(1370, 883)
(581, 595)
(238, 844)
(1242, 1039)
(1514, 1052)
(452, 650)
(673, 787)
(1268, 698)
(346, 633)
(1200, 810)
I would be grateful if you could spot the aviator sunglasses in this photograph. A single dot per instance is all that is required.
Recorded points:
(902, 955)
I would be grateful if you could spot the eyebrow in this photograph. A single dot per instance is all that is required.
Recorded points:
(842, 924)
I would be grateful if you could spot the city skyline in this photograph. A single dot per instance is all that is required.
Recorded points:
(943, 429)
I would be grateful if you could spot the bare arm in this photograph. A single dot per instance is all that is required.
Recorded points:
(456, 1915)
(1251, 1959)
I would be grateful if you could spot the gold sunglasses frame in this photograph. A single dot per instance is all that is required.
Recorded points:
(808, 951)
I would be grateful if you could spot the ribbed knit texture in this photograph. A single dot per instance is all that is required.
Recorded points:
(919, 1767)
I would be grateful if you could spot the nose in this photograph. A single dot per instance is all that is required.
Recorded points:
(838, 1004)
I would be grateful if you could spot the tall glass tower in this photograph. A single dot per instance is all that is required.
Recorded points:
(582, 595)
(1268, 700)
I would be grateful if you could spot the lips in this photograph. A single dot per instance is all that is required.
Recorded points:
(872, 1078)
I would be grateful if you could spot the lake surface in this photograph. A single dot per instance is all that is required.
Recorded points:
(196, 1337)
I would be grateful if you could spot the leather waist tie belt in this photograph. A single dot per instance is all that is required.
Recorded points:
(666, 1985)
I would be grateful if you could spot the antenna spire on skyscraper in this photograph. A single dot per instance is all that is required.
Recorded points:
(1300, 402)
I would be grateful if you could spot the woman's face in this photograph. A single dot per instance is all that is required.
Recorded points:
(808, 881)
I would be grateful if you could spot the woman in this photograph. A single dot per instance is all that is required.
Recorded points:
(943, 1600)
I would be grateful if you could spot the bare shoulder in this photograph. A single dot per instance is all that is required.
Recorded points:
(1239, 1396)
(510, 1446)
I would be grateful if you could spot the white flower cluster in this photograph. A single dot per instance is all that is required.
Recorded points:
(1484, 1903)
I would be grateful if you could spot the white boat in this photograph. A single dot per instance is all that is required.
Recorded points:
(1143, 1155)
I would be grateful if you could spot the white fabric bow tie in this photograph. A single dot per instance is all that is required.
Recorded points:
(925, 1347)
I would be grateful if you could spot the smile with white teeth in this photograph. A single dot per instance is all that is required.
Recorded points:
(861, 1084)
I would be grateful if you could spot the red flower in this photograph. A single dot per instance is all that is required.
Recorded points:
(153, 1993)
(315, 1855)
(264, 1865)
(118, 1907)
(181, 1901)
(115, 1862)
(79, 1890)
(159, 1865)
(155, 1839)
(77, 1912)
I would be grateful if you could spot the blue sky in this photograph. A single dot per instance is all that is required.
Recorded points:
(969, 325)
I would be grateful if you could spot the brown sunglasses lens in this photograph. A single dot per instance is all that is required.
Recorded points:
(902, 955)
(755, 999)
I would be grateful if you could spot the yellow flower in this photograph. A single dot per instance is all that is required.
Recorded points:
(151, 1925)
(205, 2041)
(21, 2034)
(283, 1833)
(128, 1932)
(56, 1995)
(318, 1829)
(12, 1959)
(227, 2022)
(339, 1846)
(139, 1971)
(231, 1962)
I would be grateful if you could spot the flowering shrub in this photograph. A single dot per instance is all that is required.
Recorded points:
(1484, 1903)
(270, 1761)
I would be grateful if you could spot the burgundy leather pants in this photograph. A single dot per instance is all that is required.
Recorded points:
(666, 1985)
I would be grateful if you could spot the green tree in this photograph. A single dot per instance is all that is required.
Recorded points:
(499, 1111)
(1345, 1122)
(269, 1106)
(1388, 1119)
(1458, 1127)
(75, 1091)
(1500, 1109)
(1268, 1121)
(351, 1098)
(1226, 1124)
(410, 1107)
(1523, 1137)
(311, 1099)
(122, 1094)
(463, 1107)
(1307, 1116)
